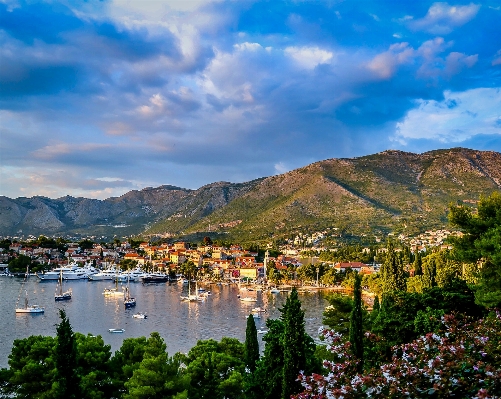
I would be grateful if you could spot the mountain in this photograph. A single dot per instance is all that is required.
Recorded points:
(389, 191)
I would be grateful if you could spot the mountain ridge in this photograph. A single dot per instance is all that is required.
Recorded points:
(389, 191)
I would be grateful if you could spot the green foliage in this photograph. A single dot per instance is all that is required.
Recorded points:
(418, 264)
(157, 375)
(31, 369)
(216, 369)
(356, 323)
(93, 366)
(86, 244)
(481, 243)
(67, 383)
(392, 271)
(126, 360)
(267, 379)
(19, 264)
(251, 344)
(298, 346)
(428, 320)
(337, 315)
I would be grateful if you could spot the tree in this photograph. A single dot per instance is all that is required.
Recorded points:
(31, 369)
(67, 385)
(125, 361)
(19, 264)
(418, 265)
(480, 243)
(251, 344)
(216, 369)
(337, 315)
(157, 376)
(462, 359)
(298, 347)
(392, 271)
(266, 381)
(356, 324)
(93, 367)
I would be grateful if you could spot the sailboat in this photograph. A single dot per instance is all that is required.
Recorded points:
(113, 291)
(129, 302)
(59, 294)
(27, 307)
(193, 297)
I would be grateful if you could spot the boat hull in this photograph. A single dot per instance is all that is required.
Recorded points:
(30, 310)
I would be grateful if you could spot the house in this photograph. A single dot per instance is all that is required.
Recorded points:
(244, 260)
(177, 257)
(354, 266)
(15, 247)
(249, 272)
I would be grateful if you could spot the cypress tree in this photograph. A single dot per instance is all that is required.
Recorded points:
(392, 271)
(67, 380)
(266, 381)
(356, 324)
(418, 264)
(294, 341)
(251, 344)
(375, 309)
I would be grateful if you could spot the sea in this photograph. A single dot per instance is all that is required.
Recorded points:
(181, 324)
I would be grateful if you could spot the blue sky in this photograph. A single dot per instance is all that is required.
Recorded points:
(98, 98)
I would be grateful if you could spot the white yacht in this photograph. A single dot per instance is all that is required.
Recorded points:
(55, 273)
(107, 274)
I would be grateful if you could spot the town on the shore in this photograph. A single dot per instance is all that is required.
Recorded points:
(214, 261)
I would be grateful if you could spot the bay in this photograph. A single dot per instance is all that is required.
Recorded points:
(181, 324)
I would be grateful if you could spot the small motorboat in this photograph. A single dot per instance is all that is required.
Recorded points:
(248, 299)
(116, 330)
(139, 316)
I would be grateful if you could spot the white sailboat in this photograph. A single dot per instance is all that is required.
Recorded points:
(193, 297)
(113, 291)
(27, 307)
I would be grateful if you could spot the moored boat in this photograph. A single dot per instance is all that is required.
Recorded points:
(59, 295)
(30, 308)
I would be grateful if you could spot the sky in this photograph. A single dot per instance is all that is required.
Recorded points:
(99, 98)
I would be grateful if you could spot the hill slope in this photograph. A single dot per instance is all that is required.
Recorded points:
(388, 191)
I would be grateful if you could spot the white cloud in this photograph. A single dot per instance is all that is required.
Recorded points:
(385, 64)
(246, 46)
(280, 168)
(459, 116)
(309, 57)
(442, 18)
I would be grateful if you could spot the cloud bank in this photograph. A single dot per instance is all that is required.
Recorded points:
(100, 98)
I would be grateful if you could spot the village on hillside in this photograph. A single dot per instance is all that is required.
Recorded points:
(215, 262)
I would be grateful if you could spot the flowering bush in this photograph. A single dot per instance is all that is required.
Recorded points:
(462, 360)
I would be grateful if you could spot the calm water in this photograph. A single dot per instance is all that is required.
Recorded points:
(181, 324)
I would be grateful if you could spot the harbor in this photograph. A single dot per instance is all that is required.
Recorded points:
(180, 323)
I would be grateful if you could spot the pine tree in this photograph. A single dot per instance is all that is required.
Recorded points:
(67, 380)
(356, 324)
(251, 344)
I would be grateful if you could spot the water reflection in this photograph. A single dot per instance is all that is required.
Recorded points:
(180, 323)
